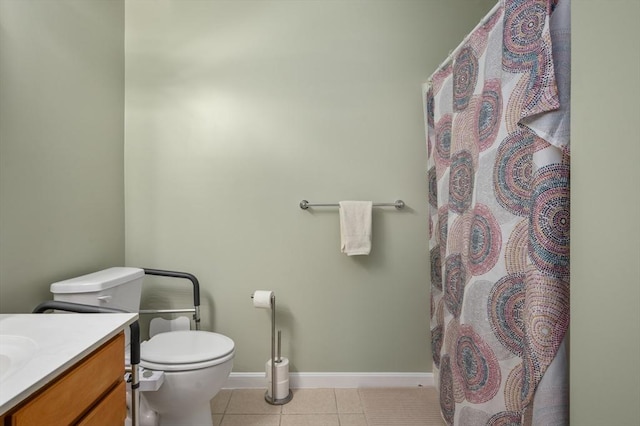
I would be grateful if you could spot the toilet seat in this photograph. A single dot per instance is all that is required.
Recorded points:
(185, 350)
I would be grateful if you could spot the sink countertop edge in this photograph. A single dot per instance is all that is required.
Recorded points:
(63, 340)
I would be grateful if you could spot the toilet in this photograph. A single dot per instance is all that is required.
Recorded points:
(187, 368)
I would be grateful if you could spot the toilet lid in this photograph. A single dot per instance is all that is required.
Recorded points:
(185, 347)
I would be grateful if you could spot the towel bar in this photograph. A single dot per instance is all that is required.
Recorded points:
(304, 204)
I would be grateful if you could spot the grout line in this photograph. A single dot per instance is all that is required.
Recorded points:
(226, 406)
(349, 402)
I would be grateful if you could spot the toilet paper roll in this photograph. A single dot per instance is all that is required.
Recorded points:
(281, 376)
(262, 299)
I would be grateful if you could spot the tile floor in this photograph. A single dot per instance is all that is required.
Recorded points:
(329, 407)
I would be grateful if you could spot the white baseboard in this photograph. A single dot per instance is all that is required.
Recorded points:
(334, 380)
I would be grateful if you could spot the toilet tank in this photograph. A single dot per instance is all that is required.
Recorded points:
(118, 287)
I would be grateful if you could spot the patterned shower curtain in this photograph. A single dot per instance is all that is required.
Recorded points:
(497, 121)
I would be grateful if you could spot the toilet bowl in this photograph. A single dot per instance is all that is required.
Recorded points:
(196, 364)
(189, 367)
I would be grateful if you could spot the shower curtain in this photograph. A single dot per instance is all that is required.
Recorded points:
(497, 123)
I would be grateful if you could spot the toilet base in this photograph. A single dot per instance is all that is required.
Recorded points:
(197, 416)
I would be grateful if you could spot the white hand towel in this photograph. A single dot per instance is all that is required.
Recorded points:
(355, 227)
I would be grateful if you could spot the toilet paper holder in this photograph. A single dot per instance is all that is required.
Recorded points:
(271, 399)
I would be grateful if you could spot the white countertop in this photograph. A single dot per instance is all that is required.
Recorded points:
(61, 339)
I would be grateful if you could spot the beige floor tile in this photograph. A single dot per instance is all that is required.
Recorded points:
(352, 420)
(250, 401)
(330, 407)
(401, 406)
(311, 401)
(348, 401)
(220, 401)
(250, 420)
(309, 420)
(217, 419)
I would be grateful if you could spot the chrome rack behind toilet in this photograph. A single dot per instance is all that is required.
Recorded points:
(196, 294)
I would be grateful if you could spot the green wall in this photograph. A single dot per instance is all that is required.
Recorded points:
(61, 178)
(61, 144)
(235, 112)
(605, 213)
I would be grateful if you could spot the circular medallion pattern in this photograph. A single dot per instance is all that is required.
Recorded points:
(505, 306)
(505, 418)
(549, 220)
(512, 389)
(443, 141)
(454, 282)
(516, 254)
(477, 366)
(546, 316)
(512, 173)
(523, 28)
(433, 187)
(485, 241)
(530, 369)
(436, 268)
(461, 179)
(465, 135)
(465, 77)
(439, 311)
(430, 103)
(458, 234)
(443, 224)
(447, 400)
(436, 344)
(433, 306)
(488, 114)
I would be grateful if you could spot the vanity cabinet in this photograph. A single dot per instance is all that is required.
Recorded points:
(92, 392)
